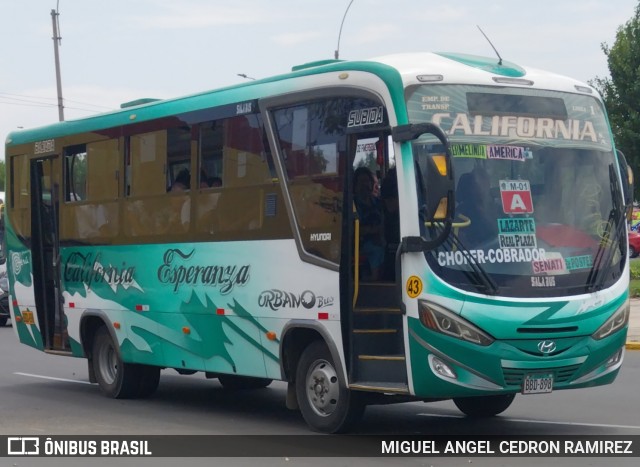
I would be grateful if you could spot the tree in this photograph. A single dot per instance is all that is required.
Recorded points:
(621, 92)
(2, 176)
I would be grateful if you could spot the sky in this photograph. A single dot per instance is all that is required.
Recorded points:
(117, 51)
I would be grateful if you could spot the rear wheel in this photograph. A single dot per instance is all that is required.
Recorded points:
(327, 405)
(484, 406)
(116, 378)
(243, 382)
(632, 252)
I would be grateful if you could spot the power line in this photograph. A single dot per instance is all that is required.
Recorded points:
(51, 98)
(44, 104)
(29, 105)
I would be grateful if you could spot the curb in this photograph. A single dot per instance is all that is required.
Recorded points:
(633, 346)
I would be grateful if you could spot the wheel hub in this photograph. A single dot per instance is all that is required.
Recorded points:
(322, 388)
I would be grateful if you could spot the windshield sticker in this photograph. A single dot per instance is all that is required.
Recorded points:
(510, 153)
(516, 225)
(482, 151)
(436, 102)
(475, 151)
(517, 241)
(520, 127)
(552, 264)
(516, 197)
(505, 255)
(362, 117)
(579, 262)
(543, 281)
(517, 233)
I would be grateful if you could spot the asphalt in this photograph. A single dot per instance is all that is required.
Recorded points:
(633, 335)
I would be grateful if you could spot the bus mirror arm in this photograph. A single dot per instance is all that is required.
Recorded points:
(415, 245)
(421, 245)
(411, 131)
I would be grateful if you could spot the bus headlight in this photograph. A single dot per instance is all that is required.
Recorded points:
(617, 321)
(443, 321)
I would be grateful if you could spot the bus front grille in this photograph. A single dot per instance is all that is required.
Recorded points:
(562, 374)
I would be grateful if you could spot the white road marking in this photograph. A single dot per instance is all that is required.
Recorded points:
(52, 378)
(543, 422)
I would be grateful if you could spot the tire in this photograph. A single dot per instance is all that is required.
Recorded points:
(3, 320)
(116, 378)
(243, 382)
(632, 252)
(484, 406)
(149, 380)
(327, 405)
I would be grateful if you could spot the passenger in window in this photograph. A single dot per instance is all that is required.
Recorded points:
(215, 182)
(376, 185)
(182, 181)
(370, 214)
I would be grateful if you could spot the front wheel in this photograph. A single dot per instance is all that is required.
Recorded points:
(3, 320)
(326, 405)
(484, 406)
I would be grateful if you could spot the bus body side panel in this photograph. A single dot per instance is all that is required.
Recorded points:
(24, 315)
(199, 306)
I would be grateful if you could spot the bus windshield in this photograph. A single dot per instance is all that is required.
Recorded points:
(538, 204)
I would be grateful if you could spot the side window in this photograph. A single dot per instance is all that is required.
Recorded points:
(90, 210)
(314, 145)
(75, 164)
(146, 159)
(211, 153)
(233, 153)
(19, 199)
(158, 182)
(179, 158)
(103, 163)
(237, 194)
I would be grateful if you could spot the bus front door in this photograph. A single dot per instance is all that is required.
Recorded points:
(46, 254)
(378, 359)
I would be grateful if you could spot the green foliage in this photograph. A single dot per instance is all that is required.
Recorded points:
(634, 286)
(621, 91)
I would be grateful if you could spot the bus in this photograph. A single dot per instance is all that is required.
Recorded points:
(483, 255)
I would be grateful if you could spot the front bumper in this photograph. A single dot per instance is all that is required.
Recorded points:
(499, 368)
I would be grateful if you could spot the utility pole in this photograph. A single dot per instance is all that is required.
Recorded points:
(57, 40)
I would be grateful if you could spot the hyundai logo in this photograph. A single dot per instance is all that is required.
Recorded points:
(546, 347)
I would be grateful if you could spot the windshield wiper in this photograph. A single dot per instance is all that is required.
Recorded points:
(481, 279)
(602, 260)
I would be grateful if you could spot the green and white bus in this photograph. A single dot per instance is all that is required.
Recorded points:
(220, 233)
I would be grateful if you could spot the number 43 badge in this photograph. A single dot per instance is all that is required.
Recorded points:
(414, 286)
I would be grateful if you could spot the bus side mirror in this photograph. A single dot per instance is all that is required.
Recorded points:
(627, 183)
(437, 197)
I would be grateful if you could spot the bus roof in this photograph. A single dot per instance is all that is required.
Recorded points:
(398, 71)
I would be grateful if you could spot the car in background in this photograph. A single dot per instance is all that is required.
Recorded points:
(634, 244)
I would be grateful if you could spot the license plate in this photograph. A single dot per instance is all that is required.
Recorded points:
(537, 384)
